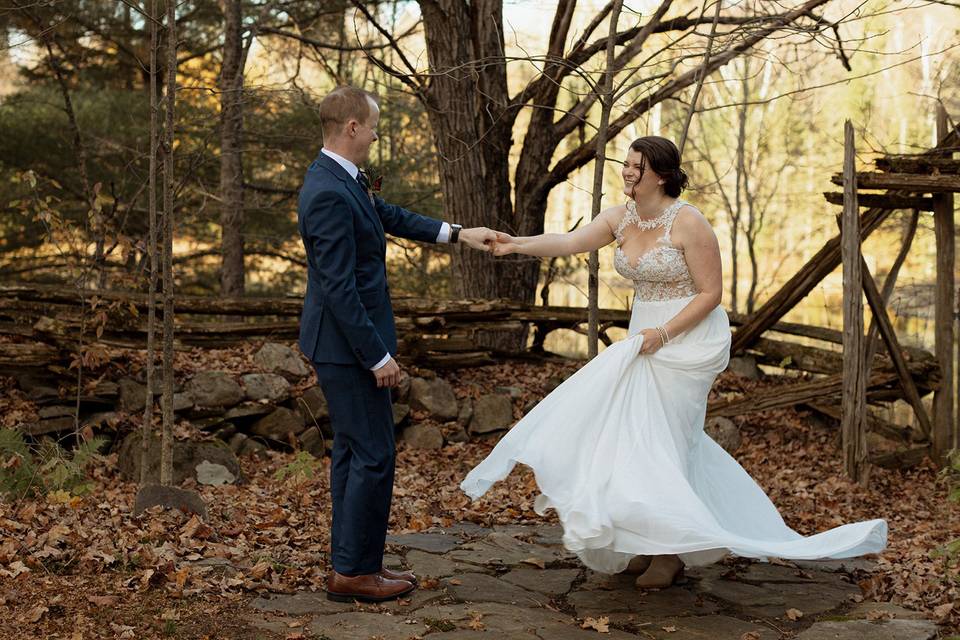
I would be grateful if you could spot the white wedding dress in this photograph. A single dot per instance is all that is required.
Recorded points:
(619, 450)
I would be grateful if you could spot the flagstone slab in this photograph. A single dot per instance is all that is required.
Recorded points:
(431, 542)
(763, 572)
(650, 605)
(301, 603)
(363, 626)
(772, 599)
(870, 630)
(506, 621)
(498, 548)
(706, 628)
(479, 587)
(550, 581)
(425, 565)
(408, 604)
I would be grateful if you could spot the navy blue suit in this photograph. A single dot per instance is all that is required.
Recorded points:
(346, 328)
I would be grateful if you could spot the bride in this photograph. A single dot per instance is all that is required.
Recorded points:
(618, 449)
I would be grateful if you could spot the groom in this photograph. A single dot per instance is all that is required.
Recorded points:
(347, 331)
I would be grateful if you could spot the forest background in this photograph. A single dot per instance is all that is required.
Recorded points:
(761, 146)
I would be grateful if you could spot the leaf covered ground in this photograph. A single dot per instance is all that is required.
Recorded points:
(82, 567)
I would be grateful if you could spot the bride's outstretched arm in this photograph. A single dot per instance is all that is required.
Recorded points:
(589, 238)
(702, 253)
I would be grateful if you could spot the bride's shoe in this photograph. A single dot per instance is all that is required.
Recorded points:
(662, 572)
(638, 564)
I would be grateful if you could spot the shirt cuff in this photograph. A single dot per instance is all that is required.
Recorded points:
(382, 363)
(444, 235)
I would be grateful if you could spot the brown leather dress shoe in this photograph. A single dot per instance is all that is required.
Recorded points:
(399, 575)
(372, 587)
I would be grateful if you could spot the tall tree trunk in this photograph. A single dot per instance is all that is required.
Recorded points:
(147, 431)
(166, 446)
(231, 152)
(606, 105)
(473, 143)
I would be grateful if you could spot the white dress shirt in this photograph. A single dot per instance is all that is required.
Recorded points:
(354, 171)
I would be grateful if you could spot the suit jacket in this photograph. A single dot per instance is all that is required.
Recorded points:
(347, 317)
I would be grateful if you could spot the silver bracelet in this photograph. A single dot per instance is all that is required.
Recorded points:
(664, 338)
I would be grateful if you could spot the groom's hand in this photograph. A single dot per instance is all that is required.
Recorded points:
(479, 238)
(388, 375)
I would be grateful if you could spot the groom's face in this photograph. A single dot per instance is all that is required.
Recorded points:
(365, 133)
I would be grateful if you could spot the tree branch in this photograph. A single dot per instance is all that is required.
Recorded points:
(584, 153)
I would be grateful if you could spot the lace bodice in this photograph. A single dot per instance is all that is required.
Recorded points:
(661, 273)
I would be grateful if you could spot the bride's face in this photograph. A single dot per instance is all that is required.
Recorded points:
(639, 181)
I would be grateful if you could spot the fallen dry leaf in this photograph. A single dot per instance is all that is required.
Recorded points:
(34, 615)
(475, 623)
(259, 570)
(103, 601)
(669, 629)
(601, 624)
(794, 614)
(750, 635)
(943, 611)
(429, 583)
(537, 562)
(879, 614)
(123, 631)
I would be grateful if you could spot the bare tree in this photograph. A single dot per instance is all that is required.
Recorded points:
(170, 101)
(231, 151)
(606, 101)
(748, 179)
(147, 431)
(472, 114)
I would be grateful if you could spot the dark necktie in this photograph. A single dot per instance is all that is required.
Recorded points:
(364, 181)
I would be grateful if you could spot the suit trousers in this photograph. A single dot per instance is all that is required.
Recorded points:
(362, 467)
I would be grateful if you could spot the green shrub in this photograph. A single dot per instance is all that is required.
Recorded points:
(39, 469)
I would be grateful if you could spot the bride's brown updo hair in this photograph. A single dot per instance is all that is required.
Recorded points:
(661, 155)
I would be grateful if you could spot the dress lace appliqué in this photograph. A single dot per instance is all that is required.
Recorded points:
(661, 273)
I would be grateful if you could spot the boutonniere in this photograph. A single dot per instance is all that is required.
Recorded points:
(377, 184)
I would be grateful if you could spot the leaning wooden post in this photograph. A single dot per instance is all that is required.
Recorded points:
(853, 406)
(943, 411)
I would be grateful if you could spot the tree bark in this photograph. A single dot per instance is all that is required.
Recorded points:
(464, 104)
(166, 446)
(151, 249)
(606, 105)
(231, 152)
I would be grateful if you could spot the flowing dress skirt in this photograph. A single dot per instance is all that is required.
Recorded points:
(619, 451)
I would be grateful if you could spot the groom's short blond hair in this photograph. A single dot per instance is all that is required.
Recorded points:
(343, 104)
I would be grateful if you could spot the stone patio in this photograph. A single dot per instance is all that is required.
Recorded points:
(519, 583)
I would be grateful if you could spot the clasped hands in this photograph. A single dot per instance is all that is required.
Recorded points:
(484, 239)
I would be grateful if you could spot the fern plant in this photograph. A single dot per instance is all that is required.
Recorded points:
(37, 470)
(303, 467)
